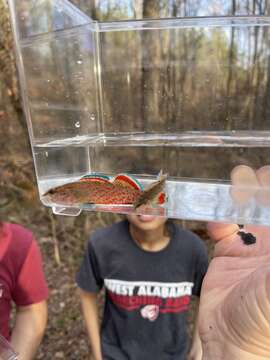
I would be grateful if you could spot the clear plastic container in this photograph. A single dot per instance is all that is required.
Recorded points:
(189, 96)
(6, 351)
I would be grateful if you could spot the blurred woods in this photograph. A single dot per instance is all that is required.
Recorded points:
(163, 81)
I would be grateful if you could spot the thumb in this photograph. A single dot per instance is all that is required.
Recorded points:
(219, 231)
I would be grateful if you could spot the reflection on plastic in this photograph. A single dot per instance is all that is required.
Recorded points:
(6, 351)
(129, 209)
(67, 211)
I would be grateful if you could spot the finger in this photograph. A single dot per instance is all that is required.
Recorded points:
(244, 184)
(219, 231)
(263, 176)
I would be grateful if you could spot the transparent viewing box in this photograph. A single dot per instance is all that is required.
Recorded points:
(189, 96)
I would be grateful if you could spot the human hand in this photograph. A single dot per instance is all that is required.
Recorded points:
(234, 315)
(195, 352)
(93, 357)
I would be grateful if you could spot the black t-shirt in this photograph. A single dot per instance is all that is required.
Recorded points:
(147, 293)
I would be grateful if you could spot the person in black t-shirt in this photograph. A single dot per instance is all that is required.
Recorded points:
(150, 268)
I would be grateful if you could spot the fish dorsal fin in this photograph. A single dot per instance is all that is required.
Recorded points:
(128, 181)
(97, 177)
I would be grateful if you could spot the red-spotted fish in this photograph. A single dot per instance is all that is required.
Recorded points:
(100, 189)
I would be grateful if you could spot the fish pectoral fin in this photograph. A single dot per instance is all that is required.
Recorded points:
(151, 192)
(158, 182)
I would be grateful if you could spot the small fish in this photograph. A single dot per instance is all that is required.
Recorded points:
(100, 189)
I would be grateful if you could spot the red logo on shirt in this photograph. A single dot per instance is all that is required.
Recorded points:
(150, 312)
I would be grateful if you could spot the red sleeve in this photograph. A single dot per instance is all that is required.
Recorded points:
(30, 285)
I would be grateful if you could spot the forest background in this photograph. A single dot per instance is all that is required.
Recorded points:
(62, 239)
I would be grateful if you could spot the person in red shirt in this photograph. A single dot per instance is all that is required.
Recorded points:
(22, 282)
